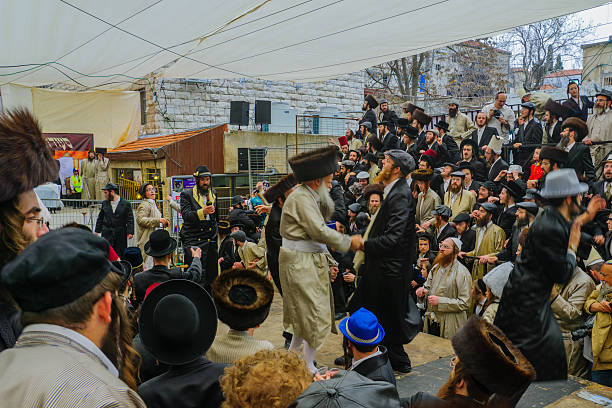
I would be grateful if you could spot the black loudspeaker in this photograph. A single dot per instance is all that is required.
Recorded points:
(263, 112)
(243, 159)
(239, 113)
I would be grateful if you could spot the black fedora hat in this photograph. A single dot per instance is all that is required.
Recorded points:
(177, 321)
(160, 244)
(243, 298)
(126, 270)
(514, 190)
(442, 125)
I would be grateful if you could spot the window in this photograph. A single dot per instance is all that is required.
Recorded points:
(143, 106)
(607, 81)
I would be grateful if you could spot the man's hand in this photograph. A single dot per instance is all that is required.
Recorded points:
(196, 253)
(433, 300)
(209, 209)
(425, 225)
(164, 222)
(169, 198)
(490, 115)
(413, 284)
(349, 277)
(574, 238)
(532, 183)
(130, 236)
(483, 259)
(484, 148)
(493, 199)
(599, 239)
(587, 141)
(253, 263)
(461, 254)
(333, 271)
(331, 141)
(238, 265)
(603, 306)
(356, 242)
(501, 175)
(420, 292)
(260, 209)
(596, 204)
(517, 145)
(220, 260)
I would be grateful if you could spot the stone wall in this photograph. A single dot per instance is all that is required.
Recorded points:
(179, 104)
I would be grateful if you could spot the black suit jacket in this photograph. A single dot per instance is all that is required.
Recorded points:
(390, 142)
(496, 168)
(506, 219)
(194, 230)
(579, 159)
(116, 226)
(528, 134)
(579, 113)
(195, 384)
(480, 170)
(370, 116)
(159, 274)
(377, 368)
(226, 251)
(449, 231)
(389, 116)
(468, 242)
(486, 137)
(556, 134)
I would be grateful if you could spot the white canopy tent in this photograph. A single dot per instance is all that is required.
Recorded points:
(110, 43)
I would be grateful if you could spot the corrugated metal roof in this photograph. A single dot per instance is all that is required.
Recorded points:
(157, 141)
(565, 72)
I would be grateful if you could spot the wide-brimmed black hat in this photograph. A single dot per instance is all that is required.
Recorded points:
(442, 125)
(514, 189)
(126, 270)
(160, 244)
(371, 100)
(111, 186)
(237, 200)
(410, 107)
(554, 153)
(202, 171)
(243, 298)
(371, 157)
(466, 165)
(177, 321)
(314, 164)
(224, 227)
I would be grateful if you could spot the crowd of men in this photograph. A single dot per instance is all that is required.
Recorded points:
(496, 235)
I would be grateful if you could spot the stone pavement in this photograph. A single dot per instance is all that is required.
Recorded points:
(430, 357)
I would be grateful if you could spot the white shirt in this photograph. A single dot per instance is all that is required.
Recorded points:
(578, 101)
(446, 183)
(569, 146)
(76, 338)
(507, 114)
(480, 132)
(356, 363)
(115, 203)
(479, 306)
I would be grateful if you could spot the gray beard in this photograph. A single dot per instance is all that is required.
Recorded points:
(326, 203)
(598, 110)
(564, 142)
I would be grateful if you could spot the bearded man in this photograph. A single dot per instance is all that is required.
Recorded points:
(457, 197)
(386, 253)
(304, 261)
(461, 126)
(600, 125)
(76, 345)
(116, 219)
(524, 313)
(448, 288)
(88, 172)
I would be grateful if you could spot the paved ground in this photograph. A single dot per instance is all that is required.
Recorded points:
(430, 357)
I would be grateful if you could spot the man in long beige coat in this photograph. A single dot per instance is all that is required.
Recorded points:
(101, 174)
(567, 304)
(460, 125)
(88, 174)
(489, 240)
(427, 199)
(448, 287)
(148, 219)
(457, 197)
(304, 259)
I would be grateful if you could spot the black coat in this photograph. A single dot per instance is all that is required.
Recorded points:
(389, 116)
(195, 384)
(576, 111)
(389, 252)
(506, 219)
(160, 273)
(377, 368)
(528, 134)
(390, 141)
(337, 196)
(10, 326)
(508, 254)
(487, 134)
(454, 155)
(240, 216)
(449, 231)
(116, 226)
(480, 170)
(556, 134)
(496, 168)
(226, 251)
(273, 243)
(579, 159)
(150, 367)
(524, 314)
(195, 231)
(370, 116)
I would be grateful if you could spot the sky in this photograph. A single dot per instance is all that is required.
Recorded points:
(601, 18)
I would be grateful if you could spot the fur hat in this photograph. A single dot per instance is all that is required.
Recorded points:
(421, 117)
(554, 153)
(491, 358)
(314, 164)
(356, 189)
(411, 107)
(243, 298)
(375, 142)
(371, 100)
(280, 188)
(558, 109)
(373, 189)
(422, 174)
(27, 160)
(577, 125)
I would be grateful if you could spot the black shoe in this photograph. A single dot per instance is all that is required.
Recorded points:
(339, 315)
(287, 344)
(339, 361)
(404, 368)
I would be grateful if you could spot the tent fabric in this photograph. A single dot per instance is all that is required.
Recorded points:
(109, 43)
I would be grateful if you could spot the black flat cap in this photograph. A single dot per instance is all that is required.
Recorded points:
(462, 217)
(402, 159)
(58, 268)
(529, 207)
(111, 186)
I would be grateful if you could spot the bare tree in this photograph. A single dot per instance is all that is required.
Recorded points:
(399, 77)
(535, 45)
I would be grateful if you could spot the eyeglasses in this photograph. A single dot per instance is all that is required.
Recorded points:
(39, 221)
(444, 246)
(150, 189)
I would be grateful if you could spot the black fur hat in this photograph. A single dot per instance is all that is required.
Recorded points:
(314, 164)
(421, 117)
(277, 190)
(27, 160)
(243, 298)
(578, 125)
(422, 174)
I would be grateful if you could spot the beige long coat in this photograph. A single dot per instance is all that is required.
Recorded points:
(101, 176)
(307, 296)
(463, 204)
(251, 251)
(148, 220)
(88, 175)
(453, 286)
(425, 204)
(492, 243)
(461, 127)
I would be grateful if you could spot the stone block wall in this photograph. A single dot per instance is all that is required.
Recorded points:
(174, 105)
